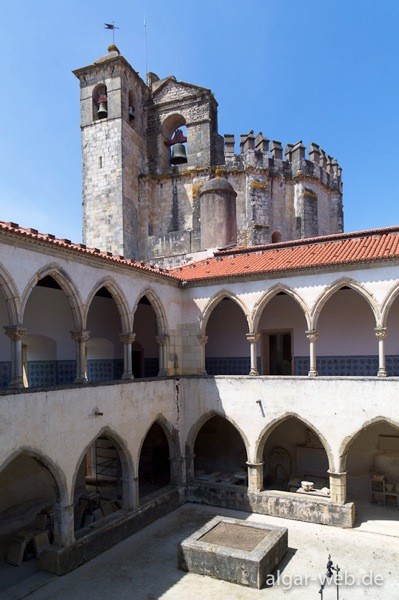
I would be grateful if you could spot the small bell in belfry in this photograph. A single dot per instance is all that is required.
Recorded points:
(178, 154)
(102, 111)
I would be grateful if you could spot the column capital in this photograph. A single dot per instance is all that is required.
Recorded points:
(202, 339)
(127, 338)
(162, 339)
(312, 335)
(15, 332)
(252, 337)
(380, 332)
(80, 335)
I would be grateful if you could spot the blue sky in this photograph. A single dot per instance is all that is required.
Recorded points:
(322, 71)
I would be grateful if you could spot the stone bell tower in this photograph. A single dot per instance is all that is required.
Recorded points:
(113, 126)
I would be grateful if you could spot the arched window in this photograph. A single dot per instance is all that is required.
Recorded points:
(276, 237)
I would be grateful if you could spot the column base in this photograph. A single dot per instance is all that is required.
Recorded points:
(82, 380)
(312, 373)
(127, 376)
(382, 373)
(253, 372)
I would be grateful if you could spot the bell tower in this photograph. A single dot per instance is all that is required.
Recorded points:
(113, 126)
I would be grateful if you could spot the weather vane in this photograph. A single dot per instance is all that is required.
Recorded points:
(112, 27)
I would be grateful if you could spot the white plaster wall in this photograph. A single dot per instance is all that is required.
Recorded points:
(282, 312)
(104, 323)
(48, 314)
(346, 326)
(226, 331)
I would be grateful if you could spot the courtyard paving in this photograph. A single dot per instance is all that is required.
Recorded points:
(143, 567)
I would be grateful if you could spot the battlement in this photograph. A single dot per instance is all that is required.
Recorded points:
(260, 152)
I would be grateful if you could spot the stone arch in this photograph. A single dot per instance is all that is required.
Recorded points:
(387, 303)
(270, 427)
(10, 294)
(348, 441)
(172, 122)
(118, 297)
(171, 435)
(214, 301)
(269, 295)
(157, 466)
(335, 287)
(66, 284)
(55, 471)
(124, 456)
(196, 427)
(157, 306)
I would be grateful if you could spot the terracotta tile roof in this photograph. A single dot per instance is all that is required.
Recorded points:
(338, 249)
(48, 239)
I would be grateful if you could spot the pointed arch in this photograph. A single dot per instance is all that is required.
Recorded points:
(171, 435)
(118, 297)
(214, 301)
(150, 294)
(269, 295)
(54, 470)
(270, 427)
(11, 296)
(65, 282)
(348, 441)
(197, 426)
(335, 287)
(123, 452)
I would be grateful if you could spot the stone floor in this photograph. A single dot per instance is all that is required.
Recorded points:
(143, 567)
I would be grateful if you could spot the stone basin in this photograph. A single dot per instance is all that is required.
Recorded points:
(234, 550)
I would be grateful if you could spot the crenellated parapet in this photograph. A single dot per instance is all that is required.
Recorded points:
(295, 162)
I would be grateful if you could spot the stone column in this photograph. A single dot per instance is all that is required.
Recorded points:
(136, 493)
(16, 333)
(81, 337)
(127, 340)
(312, 336)
(64, 525)
(337, 487)
(162, 341)
(177, 476)
(381, 334)
(129, 486)
(253, 340)
(255, 476)
(202, 339)
(190, 467)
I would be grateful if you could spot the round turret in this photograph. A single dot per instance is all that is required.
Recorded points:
(218, 214)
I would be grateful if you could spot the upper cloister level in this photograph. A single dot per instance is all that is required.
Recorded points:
(102, 318)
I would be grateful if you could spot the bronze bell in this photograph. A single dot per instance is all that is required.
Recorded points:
(102, 112)
(178, 154)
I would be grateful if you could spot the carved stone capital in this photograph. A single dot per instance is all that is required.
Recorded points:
(380, 333)
(15, 332)
(202, 339)
(82, 335)
(162, 340)
(312, 335)
(252, 337)
(127, 338)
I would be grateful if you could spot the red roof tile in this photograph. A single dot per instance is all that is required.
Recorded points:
(337, 249)
(48, 238)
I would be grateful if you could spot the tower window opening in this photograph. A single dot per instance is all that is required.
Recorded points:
(131, 108)
(100, 162)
